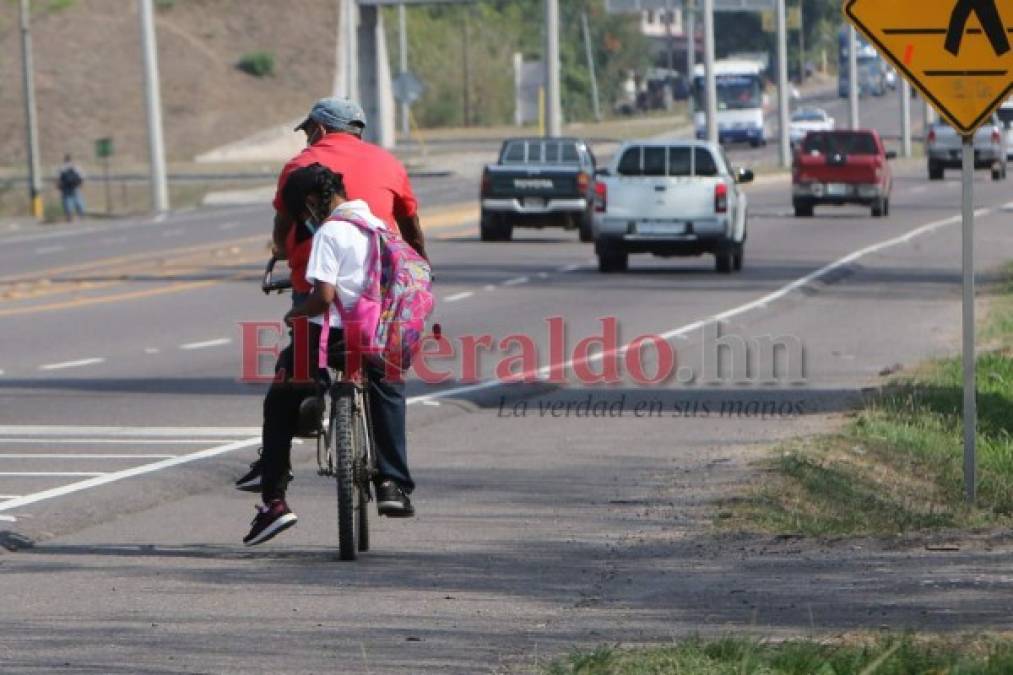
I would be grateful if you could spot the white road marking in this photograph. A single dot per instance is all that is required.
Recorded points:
(8, 519)
(218, 342)
(104, 479)
(490, 287)
(569, 268)
(151, 350)
(43, 250)
(114, 441)
(9, 496)
(542, 275)
(516, 282)
(72, 364)
(71, 455)
(159, 218)
(45, 474)
(1, 372)
(459, 296)
(760, 302)
(127, 432)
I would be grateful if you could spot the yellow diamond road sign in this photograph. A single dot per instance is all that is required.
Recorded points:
(956, 52)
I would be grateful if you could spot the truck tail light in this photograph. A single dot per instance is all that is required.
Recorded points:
(720, 198)
(583, 180)
(996, 136)
(932, 136)
(486, 182)
(600, 197)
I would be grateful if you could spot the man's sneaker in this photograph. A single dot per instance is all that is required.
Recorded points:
(250, 482)
(391, 501)
(271, 519)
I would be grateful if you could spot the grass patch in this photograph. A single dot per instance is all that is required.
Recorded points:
(258, 64)
(891, 655)
(897, 466)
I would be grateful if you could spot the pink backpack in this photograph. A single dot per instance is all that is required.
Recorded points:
(388, 320)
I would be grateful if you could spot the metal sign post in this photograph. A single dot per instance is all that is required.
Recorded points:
(967, 248)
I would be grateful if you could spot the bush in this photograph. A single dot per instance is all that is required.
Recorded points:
(165, 4)
(258, 64)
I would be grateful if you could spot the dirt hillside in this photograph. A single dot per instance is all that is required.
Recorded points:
(89, 72)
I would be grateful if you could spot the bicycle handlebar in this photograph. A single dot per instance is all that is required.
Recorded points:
(270, 284)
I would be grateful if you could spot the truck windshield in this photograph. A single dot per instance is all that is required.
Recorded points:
(840, 143)
(734, 92)
(540, 152)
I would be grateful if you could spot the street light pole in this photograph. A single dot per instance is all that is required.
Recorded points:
(28, 80)
(852, 78)
(402, 26)
(553, 103)
(690, 13)
(783, 89)
(153, 101)
(710, 81)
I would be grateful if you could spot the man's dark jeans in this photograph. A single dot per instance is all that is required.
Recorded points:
(281, 416)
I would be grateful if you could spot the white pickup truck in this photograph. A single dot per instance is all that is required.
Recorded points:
(673, 198)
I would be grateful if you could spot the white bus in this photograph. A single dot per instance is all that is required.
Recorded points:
(740, 100)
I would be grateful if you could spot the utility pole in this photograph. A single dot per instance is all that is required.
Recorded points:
(153, 101)
(710, 81)
(852, 77)
(595, 102)
(801, 42)
(28, 80)
(553, 103)
(783, 89)
(466, 63)
(669, 20)
(402, 34)
(690, 14)
(905, 117)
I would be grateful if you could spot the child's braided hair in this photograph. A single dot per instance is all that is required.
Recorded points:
(315, 179)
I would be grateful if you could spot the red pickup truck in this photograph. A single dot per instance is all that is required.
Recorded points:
(841, 167)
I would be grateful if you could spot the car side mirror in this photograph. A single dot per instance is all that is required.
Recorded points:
(743, 175)
(891, 154)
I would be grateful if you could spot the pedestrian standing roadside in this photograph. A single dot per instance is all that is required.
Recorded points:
(69, 180)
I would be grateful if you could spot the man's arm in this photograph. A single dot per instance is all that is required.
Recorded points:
(282, 224)
(316, 304)
(411, 232)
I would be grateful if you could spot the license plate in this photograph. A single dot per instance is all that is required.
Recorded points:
(837, 189)
(660, 227)
(535, 202)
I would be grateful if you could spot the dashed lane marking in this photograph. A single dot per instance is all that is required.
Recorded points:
(72, 364)
(459, 296)
(218, 342)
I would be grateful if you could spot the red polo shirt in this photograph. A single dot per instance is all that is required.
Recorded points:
(370, 173)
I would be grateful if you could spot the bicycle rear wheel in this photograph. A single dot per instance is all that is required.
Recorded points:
(343, 446)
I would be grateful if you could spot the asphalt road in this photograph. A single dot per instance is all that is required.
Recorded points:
(123, 423)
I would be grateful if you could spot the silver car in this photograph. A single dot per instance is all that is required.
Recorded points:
(943, 149)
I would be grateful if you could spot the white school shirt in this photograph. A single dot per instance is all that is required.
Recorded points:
(339, 256)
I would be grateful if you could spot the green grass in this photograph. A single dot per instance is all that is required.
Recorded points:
(890, 655)
(897, 466)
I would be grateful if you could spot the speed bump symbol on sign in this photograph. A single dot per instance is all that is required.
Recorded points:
(956, 52)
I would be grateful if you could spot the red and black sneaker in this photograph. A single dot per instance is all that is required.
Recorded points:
(271, 519)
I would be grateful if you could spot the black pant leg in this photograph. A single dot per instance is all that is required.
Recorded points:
(388, 409)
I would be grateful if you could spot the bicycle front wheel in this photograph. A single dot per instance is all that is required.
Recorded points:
(343, 447)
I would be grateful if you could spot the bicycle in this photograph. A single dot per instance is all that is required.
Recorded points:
(344, 440)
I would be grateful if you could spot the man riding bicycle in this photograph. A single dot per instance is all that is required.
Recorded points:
(337, 271)
(333, 131)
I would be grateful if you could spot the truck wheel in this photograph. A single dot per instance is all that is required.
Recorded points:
(495, 228)
(724, 260)
(587, 226)
(935, 171)
(737, 256)
(997, 174)
(613, 261)
(878, 208)
(803, 209)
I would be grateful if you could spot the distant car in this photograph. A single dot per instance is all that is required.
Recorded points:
(809, 119)
(943, 149)
(538, 182)
(842, 167)
(891, 77)
(670, 198)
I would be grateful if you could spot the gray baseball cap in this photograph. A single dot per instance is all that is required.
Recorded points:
(341, 114)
